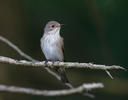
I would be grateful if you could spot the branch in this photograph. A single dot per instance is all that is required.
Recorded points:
(84, 87)
(59, 64)
(16, 49)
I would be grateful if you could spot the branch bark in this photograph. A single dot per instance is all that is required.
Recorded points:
(84, 87)
(59, 64)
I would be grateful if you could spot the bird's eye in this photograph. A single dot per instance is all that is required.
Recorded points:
(53, 26)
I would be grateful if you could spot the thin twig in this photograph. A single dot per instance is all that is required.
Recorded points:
(109, 74)
(84, 87)
(16, 49)
(59, 64)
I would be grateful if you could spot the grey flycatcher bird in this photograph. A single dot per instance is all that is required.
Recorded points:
(53, 47)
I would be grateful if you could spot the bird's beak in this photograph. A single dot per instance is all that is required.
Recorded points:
(61, 25)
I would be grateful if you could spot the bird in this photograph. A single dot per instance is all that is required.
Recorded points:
(52, 46)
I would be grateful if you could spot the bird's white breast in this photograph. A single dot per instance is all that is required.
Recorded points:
(49, 47)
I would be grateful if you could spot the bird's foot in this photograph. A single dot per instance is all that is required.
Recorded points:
(46, 62)
(52, 61)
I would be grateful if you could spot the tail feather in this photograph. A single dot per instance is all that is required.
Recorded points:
(63, 76)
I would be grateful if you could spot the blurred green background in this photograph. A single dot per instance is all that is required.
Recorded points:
(95, 31)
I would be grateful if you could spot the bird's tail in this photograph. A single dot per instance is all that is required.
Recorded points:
(62, 74)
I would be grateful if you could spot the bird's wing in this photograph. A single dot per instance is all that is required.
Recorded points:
(62, 46)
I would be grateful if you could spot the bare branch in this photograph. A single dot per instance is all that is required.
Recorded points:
(109, 74)
(84, 87)
(59, 64)
(16, 49)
